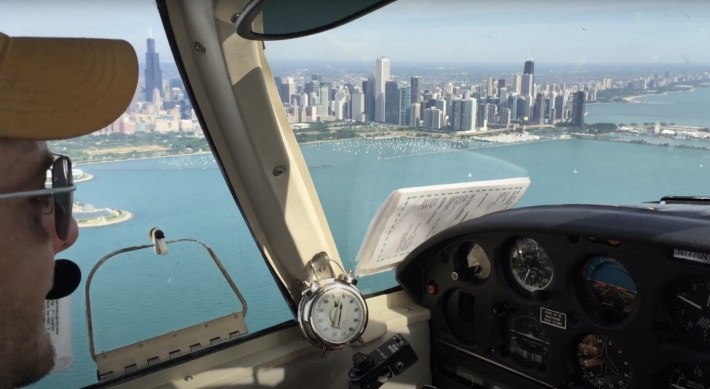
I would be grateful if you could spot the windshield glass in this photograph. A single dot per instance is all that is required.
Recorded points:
(597, 103)
(151, 168)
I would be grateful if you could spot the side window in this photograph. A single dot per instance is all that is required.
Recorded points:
(151, 168)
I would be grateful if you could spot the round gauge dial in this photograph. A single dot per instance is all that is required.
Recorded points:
(602, 363)
(688, 376)
(338, 315)
(332, 316)
(527, 340)
(530, 266)
(690, 310)
(610, 290)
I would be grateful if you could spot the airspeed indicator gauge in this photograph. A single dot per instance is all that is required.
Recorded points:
(332, 314)
(530, 267)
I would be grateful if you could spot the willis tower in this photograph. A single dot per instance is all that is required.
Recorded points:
(153, 75)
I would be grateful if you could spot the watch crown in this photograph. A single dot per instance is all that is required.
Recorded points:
(311, 288)
(347, 278)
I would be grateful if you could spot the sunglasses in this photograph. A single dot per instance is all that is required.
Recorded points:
(57, 198)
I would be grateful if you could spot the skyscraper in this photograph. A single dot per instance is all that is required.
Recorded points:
(518, 83)
(432, 118)
(405, 105)
(415, 90)
(578, 109)
(527, 87)
(490, 81)
(391, 99)
(324, 100)
(415, 115)
(368, 89)
(529, 67)
(559, 107)
(288, 88)
(463, 114)
(153, 75)
(382, 75)
(357, 105)
(539, 109)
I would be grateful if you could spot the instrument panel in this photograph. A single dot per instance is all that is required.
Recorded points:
(573, 296)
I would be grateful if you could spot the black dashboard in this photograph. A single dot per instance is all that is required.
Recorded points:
(571, 296)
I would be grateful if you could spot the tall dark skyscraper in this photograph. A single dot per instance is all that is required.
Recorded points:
(415, 90)
(405, 105)
(391, 102)
(578, 109)
(368, 89)
(539, 109)
(529, 67)
(153, 75)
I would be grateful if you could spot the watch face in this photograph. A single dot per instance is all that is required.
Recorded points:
(338, 314)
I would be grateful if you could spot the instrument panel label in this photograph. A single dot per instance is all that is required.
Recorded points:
(692, 256)
(553, 318)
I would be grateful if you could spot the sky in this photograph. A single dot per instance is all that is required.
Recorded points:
(553, 31)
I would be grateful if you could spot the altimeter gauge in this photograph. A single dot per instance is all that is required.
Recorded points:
(690, 310)
(332, 313)
(530, 266)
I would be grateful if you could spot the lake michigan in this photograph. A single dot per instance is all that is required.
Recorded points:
(141, 294)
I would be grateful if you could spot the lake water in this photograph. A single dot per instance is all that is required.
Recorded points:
(686, 107)
(139, 295)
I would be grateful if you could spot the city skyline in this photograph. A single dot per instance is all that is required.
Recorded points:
(424, 31)
(499, 102)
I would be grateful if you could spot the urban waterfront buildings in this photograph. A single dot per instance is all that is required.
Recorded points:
(417, 102)
(440, 102)
(159, 105)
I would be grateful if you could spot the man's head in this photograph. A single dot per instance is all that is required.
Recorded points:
(50, 88)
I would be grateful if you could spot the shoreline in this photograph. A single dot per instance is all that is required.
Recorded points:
(123, 216)
(413, 133)
(635, 99)
(679, 89)
(84, 178)
(84, 163)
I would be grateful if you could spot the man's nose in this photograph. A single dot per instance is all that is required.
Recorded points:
(60, 244)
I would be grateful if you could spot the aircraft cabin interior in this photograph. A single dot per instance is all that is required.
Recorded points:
(597, 278)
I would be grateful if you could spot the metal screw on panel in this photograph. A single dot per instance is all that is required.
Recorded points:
(399, 366)
(200, 48)
(454, 275)
(279, 170)
(235, 17)
(189, 378)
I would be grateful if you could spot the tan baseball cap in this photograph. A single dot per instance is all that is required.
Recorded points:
(56, 88)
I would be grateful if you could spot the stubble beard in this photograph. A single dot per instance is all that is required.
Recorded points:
(26, 349)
